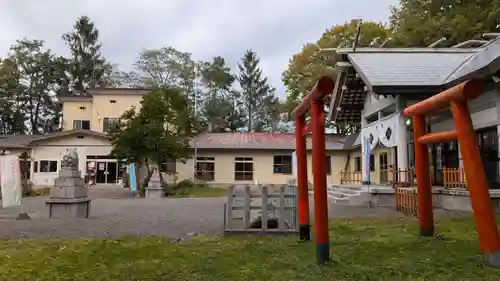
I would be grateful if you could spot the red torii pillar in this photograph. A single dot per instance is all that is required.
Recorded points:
(455, 99)
(314, 102)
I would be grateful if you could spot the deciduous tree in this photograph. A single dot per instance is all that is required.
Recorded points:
(161, 129)
(221, 106)
(420, 23)
(30, 85)
(310, 63)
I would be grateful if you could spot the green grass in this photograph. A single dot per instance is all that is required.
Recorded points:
(361, 249)
(200, 191)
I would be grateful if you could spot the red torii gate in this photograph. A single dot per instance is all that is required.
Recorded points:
(455, 99)
(314, 102)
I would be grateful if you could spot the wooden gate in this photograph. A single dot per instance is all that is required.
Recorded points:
(406, 200)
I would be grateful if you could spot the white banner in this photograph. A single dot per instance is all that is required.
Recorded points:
(10, 180)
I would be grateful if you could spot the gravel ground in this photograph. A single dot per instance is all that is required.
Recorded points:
(120, 217)
(179, 218)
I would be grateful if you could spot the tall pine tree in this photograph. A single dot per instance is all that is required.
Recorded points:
(87, 66)
(257, 95)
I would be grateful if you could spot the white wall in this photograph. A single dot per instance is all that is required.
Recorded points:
(483, 110)
(54, 149)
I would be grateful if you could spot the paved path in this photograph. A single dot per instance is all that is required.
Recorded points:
(178, 218)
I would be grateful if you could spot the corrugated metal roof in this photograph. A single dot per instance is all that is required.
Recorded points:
(407, 69)
(265, 141)
(261, 141)
(19, 141)
(13, 141)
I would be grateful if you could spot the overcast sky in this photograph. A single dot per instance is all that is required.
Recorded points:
(275, 29)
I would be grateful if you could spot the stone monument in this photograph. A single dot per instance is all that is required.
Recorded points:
(68, 196)
(155, 188)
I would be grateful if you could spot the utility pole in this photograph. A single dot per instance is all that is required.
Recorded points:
(195, 156)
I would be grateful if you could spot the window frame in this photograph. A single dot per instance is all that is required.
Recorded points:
(168, 167)
(108, 123)
(357, 164)
(280, 165)
(47, 166)
(81, 123)
(243, 174)
(372, 162)
(328, 164)
(205, 168)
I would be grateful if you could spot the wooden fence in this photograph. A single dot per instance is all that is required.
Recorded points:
(454, 178)
(351, 177)
(403, 177)
(262, 209)
(406, 200)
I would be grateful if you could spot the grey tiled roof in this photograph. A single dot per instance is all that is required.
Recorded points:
(434, 67)
(484, 63)
(407, 69)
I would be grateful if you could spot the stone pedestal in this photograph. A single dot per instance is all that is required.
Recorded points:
(68, 197)
(154, 188)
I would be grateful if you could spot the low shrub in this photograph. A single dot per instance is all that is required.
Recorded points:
(183, 187)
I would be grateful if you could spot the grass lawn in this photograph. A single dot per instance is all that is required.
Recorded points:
(362, 250)
(200, 191)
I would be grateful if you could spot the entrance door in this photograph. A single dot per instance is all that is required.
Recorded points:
(112, 174)
(384, 167)
(101, 172)
(488, 148)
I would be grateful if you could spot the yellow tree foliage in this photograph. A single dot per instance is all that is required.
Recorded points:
(310, 63)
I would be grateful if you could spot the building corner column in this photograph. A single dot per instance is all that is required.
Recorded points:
(365, 173)
(401, 138)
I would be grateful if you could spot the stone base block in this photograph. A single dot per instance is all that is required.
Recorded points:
(152, 193)
(69, 208)
(68, 191)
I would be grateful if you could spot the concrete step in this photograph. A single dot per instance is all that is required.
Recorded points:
(109, 192)
(336, 194)
(340, 201)
(345, 190)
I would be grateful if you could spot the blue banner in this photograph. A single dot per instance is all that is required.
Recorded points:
(366, 154)
(132, 178)
(294, 163)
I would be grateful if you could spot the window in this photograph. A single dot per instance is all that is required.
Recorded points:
(169, 166)
(357, 164)
(205, 168)
(328, 165)
(108, 124)
(372, 163)
(47, 166)
(282, 164)
(243, 168)
(81, 124)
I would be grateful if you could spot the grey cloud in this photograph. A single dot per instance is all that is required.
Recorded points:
(274, 29)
